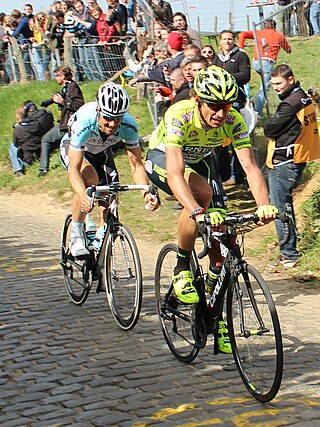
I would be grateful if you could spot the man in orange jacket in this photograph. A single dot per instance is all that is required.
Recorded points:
(270, 41)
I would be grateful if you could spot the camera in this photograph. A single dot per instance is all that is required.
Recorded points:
(312, 91)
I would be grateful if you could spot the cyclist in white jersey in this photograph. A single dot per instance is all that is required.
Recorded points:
(86, 152)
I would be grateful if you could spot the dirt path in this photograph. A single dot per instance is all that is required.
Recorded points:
(47, 212)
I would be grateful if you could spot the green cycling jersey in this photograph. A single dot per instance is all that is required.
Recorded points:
(181, 127)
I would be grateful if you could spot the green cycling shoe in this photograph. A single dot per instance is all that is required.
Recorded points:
(183, 287)
(223, 338)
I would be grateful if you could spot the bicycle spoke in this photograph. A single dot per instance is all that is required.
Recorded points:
(123, 278)
(175, 318)
(78, 280)
(255, 335)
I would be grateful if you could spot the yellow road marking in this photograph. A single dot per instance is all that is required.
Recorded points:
(242, 420)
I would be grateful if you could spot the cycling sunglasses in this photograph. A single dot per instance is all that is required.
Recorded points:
(216, 106)
(109, 118)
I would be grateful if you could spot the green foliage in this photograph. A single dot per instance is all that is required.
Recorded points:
(310, 211)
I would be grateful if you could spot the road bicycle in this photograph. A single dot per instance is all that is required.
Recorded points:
(115, 263)
(240, 295)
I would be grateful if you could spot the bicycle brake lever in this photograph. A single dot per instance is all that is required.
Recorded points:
(153, 191)
(91, 190)
(205, 233)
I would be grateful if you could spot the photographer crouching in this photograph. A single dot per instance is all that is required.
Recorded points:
(31, 124)
(69, 99)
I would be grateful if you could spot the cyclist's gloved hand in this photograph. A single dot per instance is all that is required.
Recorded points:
(216, 215)
(266, 211)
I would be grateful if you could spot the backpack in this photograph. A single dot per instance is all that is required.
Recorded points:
(44, 120)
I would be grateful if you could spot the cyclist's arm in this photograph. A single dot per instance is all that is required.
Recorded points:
(256, 181)
(179, 186)
(76, 180)
(140, 176)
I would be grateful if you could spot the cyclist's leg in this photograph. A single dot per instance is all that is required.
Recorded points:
(155, 166)
(106, 170)
(77, 243)
(90, 177)
(156, 170)
(187, 228)
(208, 169)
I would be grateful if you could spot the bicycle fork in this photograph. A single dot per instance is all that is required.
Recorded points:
(244, 331)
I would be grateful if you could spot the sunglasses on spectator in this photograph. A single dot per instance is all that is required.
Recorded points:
(206, 51)
(215, 106)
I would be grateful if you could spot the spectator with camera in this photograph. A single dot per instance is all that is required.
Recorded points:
(31, 124)
(68, 100)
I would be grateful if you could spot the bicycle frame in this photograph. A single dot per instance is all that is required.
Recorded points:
(110, 194)
(111, 218)
(240, 295)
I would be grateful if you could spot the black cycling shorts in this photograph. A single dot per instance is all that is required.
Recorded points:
(103, 163)
(105, 166)
(156, 169)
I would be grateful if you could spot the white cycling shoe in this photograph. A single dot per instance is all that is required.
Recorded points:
(77, 247)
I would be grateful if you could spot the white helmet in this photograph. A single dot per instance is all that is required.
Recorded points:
(112, 100)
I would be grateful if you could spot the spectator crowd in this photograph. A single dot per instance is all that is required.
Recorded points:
(99, 34)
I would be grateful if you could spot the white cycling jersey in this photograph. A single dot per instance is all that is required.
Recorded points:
(83, 134)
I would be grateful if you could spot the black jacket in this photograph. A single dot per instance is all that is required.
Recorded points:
(120, 14)
(238, 64)
(155, 73)
(72, 101)
(182, 93)
(284, 126)
(27, 134)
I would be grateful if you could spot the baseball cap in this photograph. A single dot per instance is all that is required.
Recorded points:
(175, 40)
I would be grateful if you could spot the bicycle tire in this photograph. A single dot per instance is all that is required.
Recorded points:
(258, 353)
(122, 275)
(76, 273)
(175, 318)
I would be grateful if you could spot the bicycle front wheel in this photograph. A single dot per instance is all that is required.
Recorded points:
(176, 319)
(255, 334)
(77, 274)
(122, 275)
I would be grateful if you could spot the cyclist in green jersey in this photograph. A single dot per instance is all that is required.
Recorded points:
(181, 163)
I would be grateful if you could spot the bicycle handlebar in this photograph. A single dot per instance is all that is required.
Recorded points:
(116, 187)
(205, 228)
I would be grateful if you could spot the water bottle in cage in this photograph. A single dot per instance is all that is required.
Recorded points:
(97, 238)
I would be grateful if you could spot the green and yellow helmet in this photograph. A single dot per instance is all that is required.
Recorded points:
(215, 84)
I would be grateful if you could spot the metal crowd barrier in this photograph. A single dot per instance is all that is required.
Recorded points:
(89, 61)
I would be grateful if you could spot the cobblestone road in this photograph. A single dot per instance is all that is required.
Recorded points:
(63, 365)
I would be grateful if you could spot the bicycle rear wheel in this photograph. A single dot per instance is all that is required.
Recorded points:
(122, 275)
(255, 334)
(176, 319)
(76, 272)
